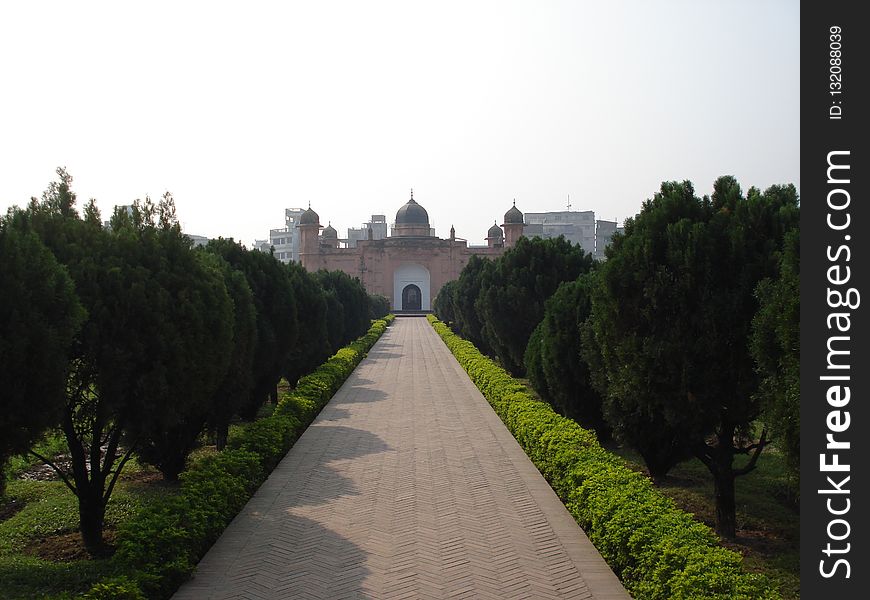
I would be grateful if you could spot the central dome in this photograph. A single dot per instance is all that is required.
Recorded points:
(412, 214)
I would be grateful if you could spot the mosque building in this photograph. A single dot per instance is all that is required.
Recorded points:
(408, 267)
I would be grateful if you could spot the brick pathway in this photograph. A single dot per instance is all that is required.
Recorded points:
(406, 486)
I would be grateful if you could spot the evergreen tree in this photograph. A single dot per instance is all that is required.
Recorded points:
(231, 394)
(553, 359)
(672, 317)
(313, 346)
(191, 316)
(39, 316)
(354, 303)
(468, 322)
(512, 297)
(277, 324)
(775, 347)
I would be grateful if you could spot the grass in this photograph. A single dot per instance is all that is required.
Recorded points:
(768, 521)
(48, 520)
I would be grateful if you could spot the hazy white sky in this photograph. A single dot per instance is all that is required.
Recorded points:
(242, 109)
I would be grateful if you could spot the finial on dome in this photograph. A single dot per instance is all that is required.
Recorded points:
(412, 193)
(515, 201)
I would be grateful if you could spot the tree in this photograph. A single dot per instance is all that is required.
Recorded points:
(511, 300)
(468, 322)
(130, 356)
(192, 336)
(277, 324)
(39, 316)
(334, 319)
(234, 390)
(553, 360)
(313, 345)
(672, 317)
(775, 346)
(112, 366)
(379, 306)
(354, 303)
(445, 301)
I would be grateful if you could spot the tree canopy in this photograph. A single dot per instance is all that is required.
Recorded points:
(775, 346)
(39, 316)
(512, 296)
(672, 317)
(553, 360)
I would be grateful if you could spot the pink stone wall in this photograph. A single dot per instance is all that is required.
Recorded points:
(375, 261)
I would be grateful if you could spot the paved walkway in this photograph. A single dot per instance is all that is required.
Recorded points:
(406, 486)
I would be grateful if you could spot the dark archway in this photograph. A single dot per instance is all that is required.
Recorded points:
(412, 298)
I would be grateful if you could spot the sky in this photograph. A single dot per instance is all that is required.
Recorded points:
(243, 109)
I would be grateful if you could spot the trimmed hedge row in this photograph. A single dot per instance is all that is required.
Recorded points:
(656, 549)
(159, 547)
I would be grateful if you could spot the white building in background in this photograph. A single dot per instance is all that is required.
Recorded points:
(198, 240)
(377, 225)
(604, 231)
(578, 227)
(285, 240)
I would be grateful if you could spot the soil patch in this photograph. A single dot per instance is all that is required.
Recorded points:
(9, 507)
(68, 547)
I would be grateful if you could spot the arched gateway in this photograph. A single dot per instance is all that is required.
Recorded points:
(412, 299)
(411, 288)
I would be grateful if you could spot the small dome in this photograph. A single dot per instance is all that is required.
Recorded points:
(495, 232)
(513, 215)
(412, 214)
(309, 217)
(330, 232)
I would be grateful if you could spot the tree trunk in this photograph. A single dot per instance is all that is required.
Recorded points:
(92, 514)
(719, 460)
(222, 432)
(726, 508)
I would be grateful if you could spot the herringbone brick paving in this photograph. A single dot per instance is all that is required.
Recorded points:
(406, 486)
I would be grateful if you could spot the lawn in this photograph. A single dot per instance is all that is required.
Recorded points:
(40, 549)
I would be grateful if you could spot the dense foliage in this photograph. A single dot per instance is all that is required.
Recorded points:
(379, 306)
(512, 297)
(354, 301)
(672, 316)
(497, 304)
(553, 359)
(776, 350)
(657, 550)
(134, 343)
(39, 315)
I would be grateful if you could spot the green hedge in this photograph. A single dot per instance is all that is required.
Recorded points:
(657, 550)
(159, 547)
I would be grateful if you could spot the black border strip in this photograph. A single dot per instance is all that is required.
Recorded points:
(834, 106)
